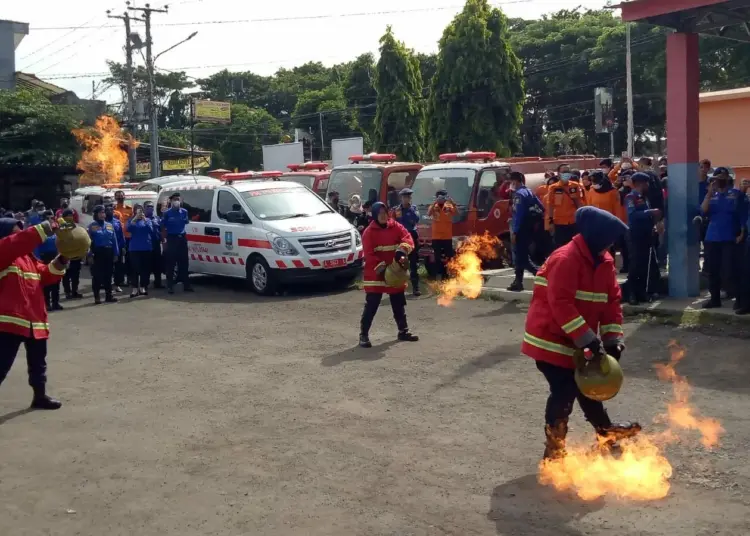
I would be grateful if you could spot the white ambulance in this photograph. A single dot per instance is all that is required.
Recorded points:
(84, 199)
(266, 231)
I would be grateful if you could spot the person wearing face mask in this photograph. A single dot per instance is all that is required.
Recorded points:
(563, 199)
(157, 261)
(104, 249)
(576, 305)
(586, 182)
(73, 273)
(23, 315)
(36, 215)
(641, 220)
(603, 194)
(141, 233)
(442, 212)
(120, 271)
(173, 222)
(407, 215)
(726, 208)
(526, 224)
(384, 241)
(65, 205)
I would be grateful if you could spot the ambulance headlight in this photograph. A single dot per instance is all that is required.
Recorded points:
(357, 239)
(282, 246)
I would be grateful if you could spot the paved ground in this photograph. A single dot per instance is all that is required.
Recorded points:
(221, 413)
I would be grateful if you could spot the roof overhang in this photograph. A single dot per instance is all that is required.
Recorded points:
(19, 29)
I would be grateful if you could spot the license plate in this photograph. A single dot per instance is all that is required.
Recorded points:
(334, 263)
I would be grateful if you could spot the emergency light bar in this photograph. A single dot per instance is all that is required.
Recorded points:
(308, 166)
(251, 175)
(119, 185)
(468, 156)
(372, 157)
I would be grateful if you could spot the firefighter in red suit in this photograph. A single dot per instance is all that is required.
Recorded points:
(576, 305)
(23, 314)
(383, 241)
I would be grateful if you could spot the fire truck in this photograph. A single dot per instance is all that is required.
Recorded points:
(373, 177)
(478, 184)
(314, 175)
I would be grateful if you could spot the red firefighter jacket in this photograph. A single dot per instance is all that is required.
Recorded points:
(380, 245)
(574, 298)
(22, 281)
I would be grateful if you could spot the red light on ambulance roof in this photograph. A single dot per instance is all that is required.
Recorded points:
(251, 175)
(308, 166)
(468, 156)
(372, 157)
(120, 185)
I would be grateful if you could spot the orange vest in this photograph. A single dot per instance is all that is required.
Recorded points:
(442, 220)
(124, 214)
(562, 202)
(609, 201)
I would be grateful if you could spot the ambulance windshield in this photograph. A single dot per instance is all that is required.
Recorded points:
(284, 203)
(363, 182)
(304, 180)
(457, 182)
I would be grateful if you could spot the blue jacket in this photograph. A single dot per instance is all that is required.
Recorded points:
(48, 247)
(526, 208)
(408, 217)
(155, 231)
(141, 234)
(640, 220)
(104, 235)
(33, 218)
(174, 221)
(727, 213)
(118, 231)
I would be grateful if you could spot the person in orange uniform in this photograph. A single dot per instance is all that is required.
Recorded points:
(576, 305)
(442, 212)
(604, 195)
(384, 241)
(23, 314)
(563, 199)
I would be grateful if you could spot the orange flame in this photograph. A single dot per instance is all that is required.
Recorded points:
(466, 269)
(104, 161)
(642, 472)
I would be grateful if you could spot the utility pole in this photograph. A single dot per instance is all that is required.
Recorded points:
(154, 118)
(322, 142)
(129, 114)
(629, 76)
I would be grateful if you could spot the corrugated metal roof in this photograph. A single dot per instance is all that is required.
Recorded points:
(29, 81)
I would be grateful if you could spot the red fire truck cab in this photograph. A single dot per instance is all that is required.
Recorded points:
(314, 175)
(373, 177)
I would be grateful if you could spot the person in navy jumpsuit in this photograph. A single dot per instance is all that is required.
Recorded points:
(157, 262)
(173, 223)
(141, 233)
(105, 250)
(726, 209)
(527, 221)
(408, 216)
(641, 221)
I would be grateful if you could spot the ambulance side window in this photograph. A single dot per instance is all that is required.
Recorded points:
(484, 193)
(89, 202)
(227, 202)
(198, 204)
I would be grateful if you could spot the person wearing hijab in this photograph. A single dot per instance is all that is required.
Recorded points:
(23, 312)
(105, 249)
(384, 241)
(141, 235)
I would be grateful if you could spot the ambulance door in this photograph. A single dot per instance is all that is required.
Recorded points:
(492, 213)
(202, 243)
(231, 224)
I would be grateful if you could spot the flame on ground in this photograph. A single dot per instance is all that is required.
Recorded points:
(642, 472)
(465, 268)
(104, 160)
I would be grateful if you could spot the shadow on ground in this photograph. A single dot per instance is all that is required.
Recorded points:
(494, 357)
(358, 354)
(507, 308)
(524, 507)
(13, 414)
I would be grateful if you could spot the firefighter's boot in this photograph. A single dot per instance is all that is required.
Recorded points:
(555, 442)
(609, 438)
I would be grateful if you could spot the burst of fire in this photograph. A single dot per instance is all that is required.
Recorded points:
(103, 161)
(466, 268)
(642, 472)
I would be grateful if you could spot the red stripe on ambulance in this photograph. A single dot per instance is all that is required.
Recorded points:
(250, 243)
(203, 239)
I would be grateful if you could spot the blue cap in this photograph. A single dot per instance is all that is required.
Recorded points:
(640, 177)
(721, 171)
(443, 193)
(406, 191)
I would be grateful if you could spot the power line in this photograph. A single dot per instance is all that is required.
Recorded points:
(57, 51)
(58, 39)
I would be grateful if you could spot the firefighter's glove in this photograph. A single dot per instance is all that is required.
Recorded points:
(400, 255)
(615, 349)
(594, 351)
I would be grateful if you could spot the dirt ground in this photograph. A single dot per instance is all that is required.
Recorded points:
(221, 413)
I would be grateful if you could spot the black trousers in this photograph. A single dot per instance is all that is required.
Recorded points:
(36, 357)
(72, 277)
(721, 258)
(563, 392)
(521, 259)
(564, 234)
(177, 256)
(744, 295)
(443, 250)
(101, 270)
(157, 264)
(121, 267)
(140, 268)
(414, 262)
(51, 292)
(638, 269)
(372, 304)
(622, 245)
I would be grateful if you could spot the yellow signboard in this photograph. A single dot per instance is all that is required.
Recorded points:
(177, 164)
(212, 111)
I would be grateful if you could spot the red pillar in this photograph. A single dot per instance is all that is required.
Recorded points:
(683, 81)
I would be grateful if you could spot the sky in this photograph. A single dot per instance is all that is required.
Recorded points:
(69, 42)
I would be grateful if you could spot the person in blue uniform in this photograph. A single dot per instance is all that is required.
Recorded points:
(157, 262)
(105, 250)
(526, 224)
(141, 233)
(641, 221)
(47, 252)
(726, 209)
(35, 216)
(119, 267)
(407, 215)
(173, 223)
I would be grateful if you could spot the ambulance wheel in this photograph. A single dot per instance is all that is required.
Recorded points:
(260, 277)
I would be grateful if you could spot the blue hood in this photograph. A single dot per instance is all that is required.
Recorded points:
(376, 209)
(598, 228)
(7, 225)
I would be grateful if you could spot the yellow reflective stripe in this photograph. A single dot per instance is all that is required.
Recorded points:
(20, 273)
(54, 270)
(386, 248)
(574, 324)
(407, 247)
(40, 325)
(14, 320)
(373, 283)
(596, 297)
(547, 345)
(610, 328)
(40, 230)
(541, 281)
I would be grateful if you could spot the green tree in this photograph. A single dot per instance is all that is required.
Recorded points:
(477, 91)
(360, 93)
(427, 67)
(35, 131)
(329, 106)
(558, 143)
(240, 87)
(287, 85)
(399, 120)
